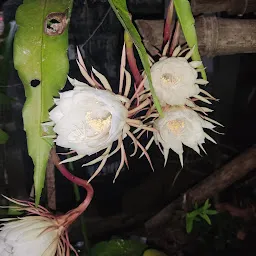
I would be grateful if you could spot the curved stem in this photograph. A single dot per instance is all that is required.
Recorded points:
(168, 22)
(75, 213)
(131, 59)
(175, 40)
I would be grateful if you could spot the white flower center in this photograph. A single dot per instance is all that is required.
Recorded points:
(89, 126)
(176, 126)
(98, 124)
(170, 79)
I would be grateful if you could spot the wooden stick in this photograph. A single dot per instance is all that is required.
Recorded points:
(50, 185)
(233, 7)
(216, 36)
(210, 186)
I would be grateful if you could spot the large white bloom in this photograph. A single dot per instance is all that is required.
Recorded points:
(175, 80)
(87, 119)
(181, 125)
(29, 236)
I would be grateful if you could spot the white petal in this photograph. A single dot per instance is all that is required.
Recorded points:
(166, 153)
(77, 83)
(181, 125)
(103, 79)
(56, 114)
(181, 159)
(25, 236)
(195, 63)
(201, 81)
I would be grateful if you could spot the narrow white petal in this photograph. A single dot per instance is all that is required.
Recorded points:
(75, 82)
(189, 54)
(202, 81)
(195, 64)
(166, 154)
(201, 146)
(176, 51)
(207, 110)
(190, 103)
(207, 94)
(103, 79)
(72, 159)
(127, 83)
(208, 137)
(181, 159)
(212, 121)
(202, 99)
(196, 148)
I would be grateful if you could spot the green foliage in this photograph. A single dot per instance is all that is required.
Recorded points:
(153, 252)
(122, 13)
(198, 214)
(187, 22)
(3, 137)
(42, 57)
(118, 247)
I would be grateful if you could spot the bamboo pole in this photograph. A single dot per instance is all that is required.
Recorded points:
(216, 36)
(233, 7)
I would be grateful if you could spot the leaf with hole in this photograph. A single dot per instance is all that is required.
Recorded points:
(40, 56)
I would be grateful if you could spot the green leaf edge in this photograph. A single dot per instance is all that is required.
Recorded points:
(39, 179)
(138, 44)
(187, 22)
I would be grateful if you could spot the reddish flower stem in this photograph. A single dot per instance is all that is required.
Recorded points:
(131, 59)
(72, 215)
(175, 39)
(168, 22)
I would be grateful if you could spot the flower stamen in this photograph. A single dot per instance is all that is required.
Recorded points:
(170, 79)
(176, 126)
(98, 124)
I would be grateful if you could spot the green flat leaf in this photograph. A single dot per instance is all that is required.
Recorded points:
(153, 252)
(187, 22)
(206, 205)
(3, 137)
(189, 224)
(122, 13)
(118, 247)
(211, 212)
(206, 218)
(192, 214)
(42, 57)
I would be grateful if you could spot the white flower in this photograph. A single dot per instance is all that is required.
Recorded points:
(175, 80)
(87, 119)
(29, 236)
(91, 118)
(181, 125)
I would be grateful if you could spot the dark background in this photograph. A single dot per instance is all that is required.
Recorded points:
(137, 191)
